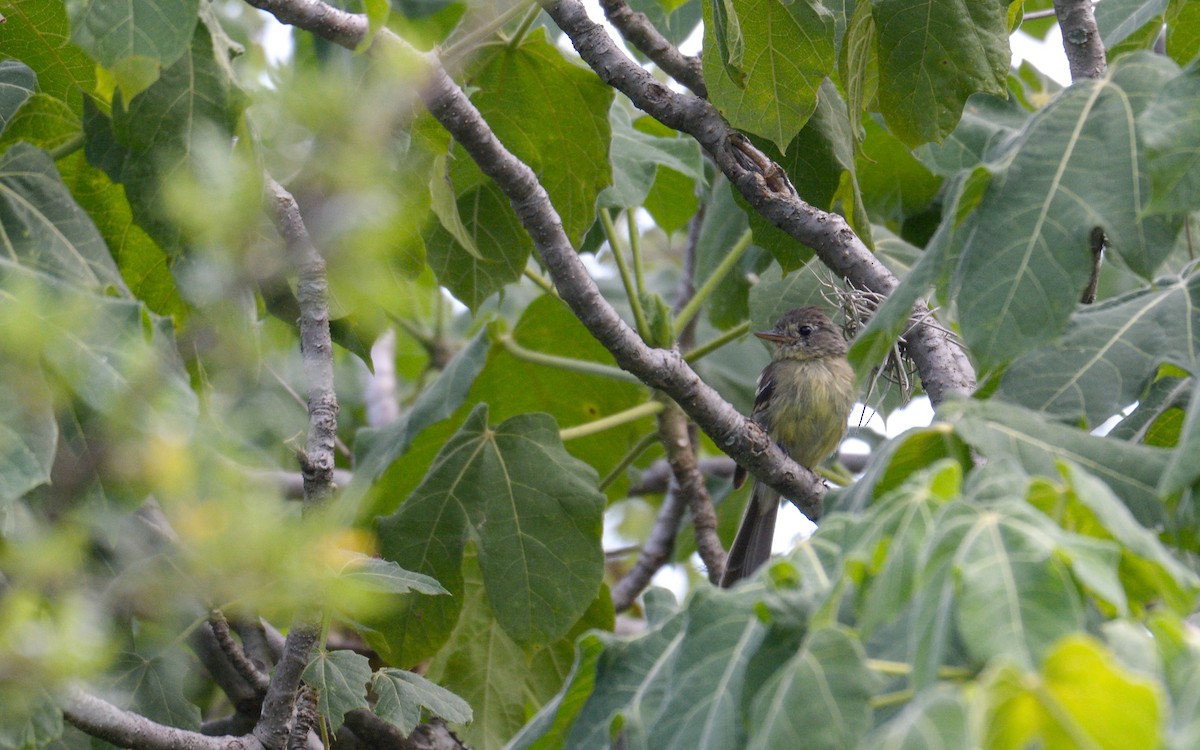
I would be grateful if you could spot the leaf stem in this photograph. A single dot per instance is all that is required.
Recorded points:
(891, 699)
(541, 281)
(710, 284)
(565, 363)
(67, 148)
(476, 36)
(630, 456)
(709, 347)
(635, 247)
(631, 291)
(526, 22)
(648, 409)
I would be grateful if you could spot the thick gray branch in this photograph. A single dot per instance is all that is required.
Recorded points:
(1081, 39)
(641, 33)
(943, 367)
(126, 729)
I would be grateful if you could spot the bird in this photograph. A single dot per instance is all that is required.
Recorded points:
(803, 401)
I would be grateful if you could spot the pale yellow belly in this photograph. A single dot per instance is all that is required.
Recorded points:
(813, 400)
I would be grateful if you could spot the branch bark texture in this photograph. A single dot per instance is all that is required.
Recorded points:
(638, 30)
(1081, 38)
(127, 729)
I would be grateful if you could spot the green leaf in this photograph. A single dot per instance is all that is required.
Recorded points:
(933, 54)
(1183, 31)
(1182, 470)
(36, 724)
(534, 509)
(934, 718)
(676, 705)
(1121, 19)
(376, 449)
(117, 357)
(1081, 697)
(44, 229)
(637, 158)
(388, 577)
(133, 38)
(1086, 506)
(36, 33)
(548, 729)
(28, 432)
(996, 430)
(1108, 353)
(788, 51)
(402, 694)
(444, 206)
(500, 247)
(156, 685)
(731, 43)
(143, 264)
(1025, 249)
(724, 224)
(1173, 146)
(17, 83)
(522, 89)
(161, 130)
(340, 678)
(820, 699)
(42, 121)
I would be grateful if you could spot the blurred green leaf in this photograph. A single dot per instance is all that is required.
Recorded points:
(340, 679)
(934, 718)
(788, 51)
(402, 694)
(38, 724)
(42, 121)
(156, 685)
(1121, 19)
(1183, 31)
(28, 432)
(1080, 695)
(933, 54)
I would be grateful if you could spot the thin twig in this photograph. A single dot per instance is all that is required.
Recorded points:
(641, 33)
(237, 657)
(655, 553)
(673, 432)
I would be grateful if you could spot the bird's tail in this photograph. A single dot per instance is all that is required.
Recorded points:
(752, 545)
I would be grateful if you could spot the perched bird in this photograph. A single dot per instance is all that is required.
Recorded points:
(803, 400)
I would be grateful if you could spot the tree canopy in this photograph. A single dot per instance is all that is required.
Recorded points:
(356, 380)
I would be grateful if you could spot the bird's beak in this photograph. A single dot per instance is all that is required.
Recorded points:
(773, 336)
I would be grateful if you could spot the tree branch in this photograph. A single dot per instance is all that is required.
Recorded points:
(1081, 39)
(673, 432)
(944, 368)
(641, 33)
(126, 729)
(656, 552)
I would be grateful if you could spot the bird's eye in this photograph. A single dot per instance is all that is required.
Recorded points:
(806, 331)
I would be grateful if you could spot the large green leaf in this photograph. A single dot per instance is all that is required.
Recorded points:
(1183, 31)
(553, 115)
(1025, 249)
(36, 33)
(1173, 146)
(156, 133)
(534, 510)
(134, 39)
(42, 228)
(820, 699)
(1118, 20)
(933, 54)
(994, 580)
(692, 699)
(998, 430)
(1109, 352)
(788, 51)
(43, 121)
(340, 678)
